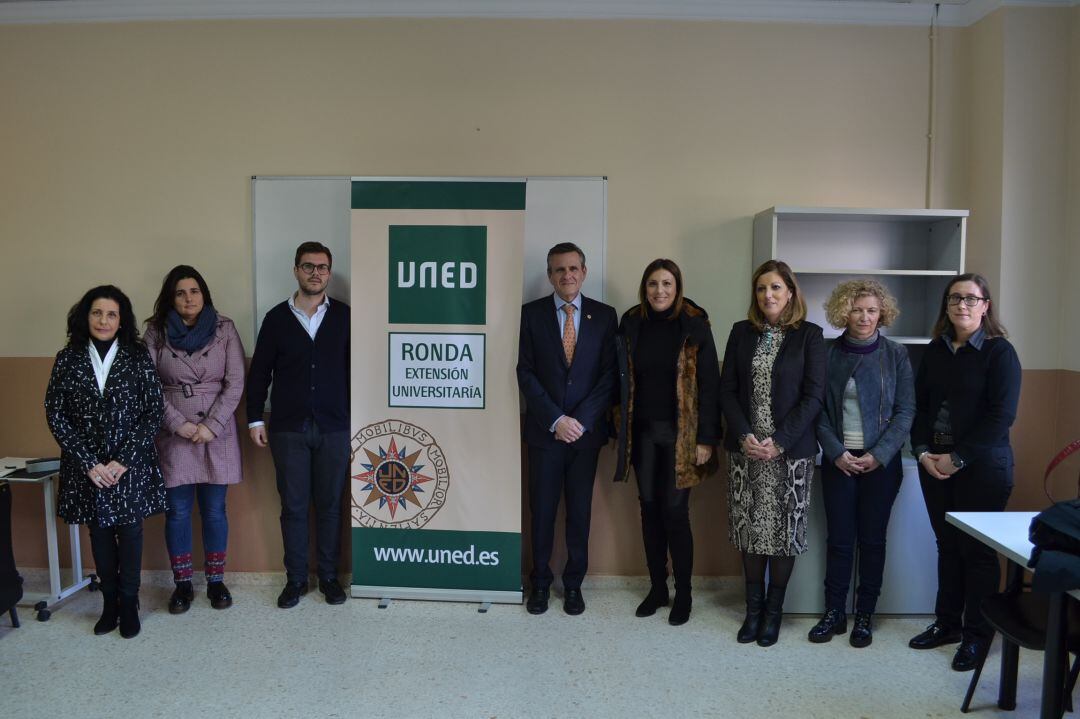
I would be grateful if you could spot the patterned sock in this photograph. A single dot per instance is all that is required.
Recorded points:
(215, 567)
(181, 567)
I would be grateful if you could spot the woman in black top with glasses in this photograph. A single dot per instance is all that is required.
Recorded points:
(966, 393)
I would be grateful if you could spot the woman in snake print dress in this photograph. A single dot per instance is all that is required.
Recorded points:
(104, 407)
(771, 390)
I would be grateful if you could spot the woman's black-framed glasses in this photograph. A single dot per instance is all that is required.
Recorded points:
(968, 300)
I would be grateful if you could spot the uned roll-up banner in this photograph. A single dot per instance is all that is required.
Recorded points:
(436, 460)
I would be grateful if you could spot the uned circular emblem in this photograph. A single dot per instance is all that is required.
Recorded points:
(399, 475)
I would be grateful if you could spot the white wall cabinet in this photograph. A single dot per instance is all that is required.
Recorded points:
(913, 253)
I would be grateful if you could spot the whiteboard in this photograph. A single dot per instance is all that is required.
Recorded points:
(564, 209)
(290, 210)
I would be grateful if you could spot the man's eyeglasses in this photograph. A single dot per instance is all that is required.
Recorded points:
(312, 269)
(968, 300)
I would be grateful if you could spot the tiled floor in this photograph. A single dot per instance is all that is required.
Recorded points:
(427, 659)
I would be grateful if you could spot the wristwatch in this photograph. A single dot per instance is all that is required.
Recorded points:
(957, 462)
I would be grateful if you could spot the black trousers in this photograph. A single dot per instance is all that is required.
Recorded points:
(117, 554)
(312, 467)
(968, 570)
(665, 510)
(857, 509)
(555, 470)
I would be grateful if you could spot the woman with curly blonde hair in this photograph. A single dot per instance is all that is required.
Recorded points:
(868, 410)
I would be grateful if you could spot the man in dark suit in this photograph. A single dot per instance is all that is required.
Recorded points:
(566, 372)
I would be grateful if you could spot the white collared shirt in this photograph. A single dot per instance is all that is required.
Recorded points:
(310, 324)
(102, 366)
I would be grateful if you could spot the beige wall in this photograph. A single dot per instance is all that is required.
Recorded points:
(1070, 347)
(129, 148)
(125, 149)
(986, 130)
(1034, 205)
(953, 115)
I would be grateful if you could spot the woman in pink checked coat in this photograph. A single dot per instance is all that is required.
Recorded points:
(200, 361)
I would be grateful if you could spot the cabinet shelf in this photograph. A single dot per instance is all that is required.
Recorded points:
(859, 271)
(912, 252)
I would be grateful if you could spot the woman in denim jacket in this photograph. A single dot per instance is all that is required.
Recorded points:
(869, 408)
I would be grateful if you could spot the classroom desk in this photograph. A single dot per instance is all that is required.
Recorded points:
(43, 603)
(1007, 532)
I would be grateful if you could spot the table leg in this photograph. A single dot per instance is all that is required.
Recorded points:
(1010, 652)
(76, 553)
(51, 540)
(1054, 661)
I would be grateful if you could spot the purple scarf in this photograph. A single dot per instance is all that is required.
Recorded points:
(864, 348)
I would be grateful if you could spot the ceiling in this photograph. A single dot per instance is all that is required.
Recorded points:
(861, 12)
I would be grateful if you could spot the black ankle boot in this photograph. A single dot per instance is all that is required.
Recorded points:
(110, 611)
(680, 608)
(862, 634)
(755, 605)
(219, 595)
(129, 616)
(656, 598)
(774, 613)
(180, 601)
(834, 621)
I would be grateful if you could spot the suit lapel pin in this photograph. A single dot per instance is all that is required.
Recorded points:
(588, 317)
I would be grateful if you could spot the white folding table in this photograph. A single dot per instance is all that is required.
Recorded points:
(15, 467)
(1007, 532)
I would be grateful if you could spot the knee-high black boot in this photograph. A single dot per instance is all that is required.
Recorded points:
(106, 565)
(110, 612)
(129, 615)
(774, 613)
(655, 540)
(681, 544)
(755, 606)
(129, 547)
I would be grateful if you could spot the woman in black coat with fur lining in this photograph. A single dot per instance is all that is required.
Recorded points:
(668, 424)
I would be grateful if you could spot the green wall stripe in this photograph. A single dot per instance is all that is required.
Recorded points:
(437, 195)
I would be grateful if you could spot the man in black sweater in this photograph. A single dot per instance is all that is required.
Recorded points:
(303, 348)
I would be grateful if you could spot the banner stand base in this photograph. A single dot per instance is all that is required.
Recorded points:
(489, 596)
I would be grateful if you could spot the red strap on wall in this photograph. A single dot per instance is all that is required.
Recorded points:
(1058, 459)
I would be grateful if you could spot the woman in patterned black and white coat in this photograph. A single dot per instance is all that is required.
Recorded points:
(771, 390)
(104, 408)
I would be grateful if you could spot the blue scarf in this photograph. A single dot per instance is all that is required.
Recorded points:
(194, 338)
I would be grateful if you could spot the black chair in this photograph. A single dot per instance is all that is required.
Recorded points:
(11, 590)
(1020, 617)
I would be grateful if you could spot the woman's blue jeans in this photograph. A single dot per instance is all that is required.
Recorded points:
(215, 528)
